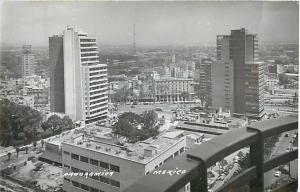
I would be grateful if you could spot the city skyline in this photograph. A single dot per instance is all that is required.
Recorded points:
(156, 23)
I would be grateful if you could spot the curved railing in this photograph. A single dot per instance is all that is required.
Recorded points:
(197, 160)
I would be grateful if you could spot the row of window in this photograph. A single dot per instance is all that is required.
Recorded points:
(102, 179)
(97, 68)
(98, 101)
(99, 96)
(88, 50)
(100, 110)
(96, 78)
(84, 187)
(97, 92)
(94, 162)
(88, 45)
(98, 87)
(97, 106)
(87, 40)
(89, 59)
(89, 54)
(98, 82)
(98, 73)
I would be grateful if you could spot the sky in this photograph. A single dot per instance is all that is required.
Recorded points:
(157, 23)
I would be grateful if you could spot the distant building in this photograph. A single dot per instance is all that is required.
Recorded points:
(205, 80)
(20, 99)
(171, 89)
(78, 81)
(39, 88)
(28, 61)
(244, 88)
(222, 76)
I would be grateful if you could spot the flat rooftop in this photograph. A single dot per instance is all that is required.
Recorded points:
(173, 79)
(93, 130)
(200, 129)
(130, 151)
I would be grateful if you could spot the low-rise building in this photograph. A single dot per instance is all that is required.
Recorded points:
(98, 153)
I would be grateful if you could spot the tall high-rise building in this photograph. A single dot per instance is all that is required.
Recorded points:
(205, 80)
(78, 81)
(237, 65)
(222, 76)
(28, 61)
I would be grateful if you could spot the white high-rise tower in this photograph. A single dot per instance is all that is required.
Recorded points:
(78, 81)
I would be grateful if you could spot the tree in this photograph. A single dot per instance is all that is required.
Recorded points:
(67, 123)
(137, 127)
(16, 119)
(17, 150)
(9, 155)
(55, 122)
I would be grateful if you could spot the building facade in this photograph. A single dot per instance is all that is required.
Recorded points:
(118, 166)
(205, 80)
(170, 89)
(222, 76)
(78, 81)
(28, 61)
(243, 74)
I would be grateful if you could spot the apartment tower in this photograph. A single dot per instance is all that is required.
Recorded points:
(238, 67)
(78, 80)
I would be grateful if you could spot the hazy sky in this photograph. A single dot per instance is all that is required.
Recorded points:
(156, 22)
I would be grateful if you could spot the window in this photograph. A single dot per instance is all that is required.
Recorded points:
(85, 187)
(66, 153)
(75, 170)
(75, 184)
(84, 159)
(104, 180)
(94, 162)
(114, 168)
(95, 177)
(74, 156)
(93, 189)
(115, 183)
(104, 165)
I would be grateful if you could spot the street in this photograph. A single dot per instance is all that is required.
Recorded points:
(281, 148)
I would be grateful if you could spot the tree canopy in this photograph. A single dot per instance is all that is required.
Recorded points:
(17, 123)
(137, 127)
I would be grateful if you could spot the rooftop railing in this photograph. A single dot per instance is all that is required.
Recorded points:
(197, 160)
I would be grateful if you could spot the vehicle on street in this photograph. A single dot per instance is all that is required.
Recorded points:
(277, 174)
(158, 109)
(236, 159)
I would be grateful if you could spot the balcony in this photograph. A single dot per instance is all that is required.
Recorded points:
(197, 160)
